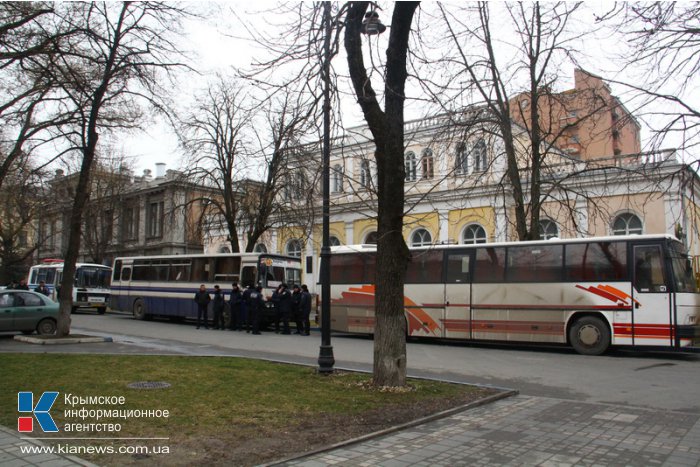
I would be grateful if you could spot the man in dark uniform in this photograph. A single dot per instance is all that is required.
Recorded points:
(305, 307)
(285, 304)
(256, 305)
(245, 307)
(202, 300)
(235, 307)
(218, 308)
(296, 309)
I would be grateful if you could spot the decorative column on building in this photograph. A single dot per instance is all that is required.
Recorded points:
(349, 232)
(501, 223)
(582, 217)
(443, 228)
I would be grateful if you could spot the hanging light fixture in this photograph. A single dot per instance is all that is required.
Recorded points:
(371, 25)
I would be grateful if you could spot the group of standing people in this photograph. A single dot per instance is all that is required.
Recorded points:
(247, 308)
(22, 285)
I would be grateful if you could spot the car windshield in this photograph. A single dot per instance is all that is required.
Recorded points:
(92, 277)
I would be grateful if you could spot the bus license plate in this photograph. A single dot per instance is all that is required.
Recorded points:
(96, 299)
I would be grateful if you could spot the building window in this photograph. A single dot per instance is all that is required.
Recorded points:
(473, 233)
(478, 155)
(421, 237)
(410, 166)
(155, 219)
(130, 225)
(260, 248)
(333, 241)
(427, 162)
(107, 226)
(337, 178)
(371, 238)
(22, 239)
(294, 248)
(627, 224)
(461, 159)
(548, 229)
(365, 174)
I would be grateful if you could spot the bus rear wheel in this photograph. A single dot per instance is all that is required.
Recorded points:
(139, 310)
(589, 335)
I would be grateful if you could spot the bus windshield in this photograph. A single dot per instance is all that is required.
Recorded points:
(87, 276)
(683, 277)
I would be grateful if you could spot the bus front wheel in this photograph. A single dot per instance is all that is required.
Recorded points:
(140, 310)
(589, 335)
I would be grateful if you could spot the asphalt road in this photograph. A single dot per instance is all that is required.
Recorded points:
(656, 380)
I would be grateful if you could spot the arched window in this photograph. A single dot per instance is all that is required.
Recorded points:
(461, 159)
(224, 249)
(421, 237)
(548, 229)
(410, 166)
(371, 238)
(474, 233)
(365, 174)
(333, 241)
(294, 248)
(260, 248)
(337, 178)
(427, 163)
(627, 224)
(478, 155)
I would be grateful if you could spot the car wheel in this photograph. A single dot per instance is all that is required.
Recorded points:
(589, 336)
(139, 310)
(46, 327)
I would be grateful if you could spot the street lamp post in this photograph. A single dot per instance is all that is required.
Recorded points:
(370, 26)
(325, 354)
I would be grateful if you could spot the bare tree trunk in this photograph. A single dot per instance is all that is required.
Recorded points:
(387, 128)
(82, 191)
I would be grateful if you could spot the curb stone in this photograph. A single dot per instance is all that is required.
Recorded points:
(64, 340)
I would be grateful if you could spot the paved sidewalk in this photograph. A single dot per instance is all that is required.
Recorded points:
(11, 454)
(532, 431)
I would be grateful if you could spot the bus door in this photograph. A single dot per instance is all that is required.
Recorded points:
(123, 298)
(652, 304)
(458, 288)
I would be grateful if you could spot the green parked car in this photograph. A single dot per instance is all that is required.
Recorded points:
(25, 311)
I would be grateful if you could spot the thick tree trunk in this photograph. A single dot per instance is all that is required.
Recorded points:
(388, 132)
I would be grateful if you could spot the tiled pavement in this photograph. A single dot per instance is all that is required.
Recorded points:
(532, 431)
(11, 454)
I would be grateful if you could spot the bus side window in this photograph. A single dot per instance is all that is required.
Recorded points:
(425, 267)
(126, 274)
(490, 264)
(248, 275)
(117, 271)
(648, 269)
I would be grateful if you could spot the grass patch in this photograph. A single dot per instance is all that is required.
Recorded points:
(222, 410)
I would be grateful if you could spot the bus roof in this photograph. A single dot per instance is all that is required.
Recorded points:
(213, 255)
(55, 264)
(370, 248)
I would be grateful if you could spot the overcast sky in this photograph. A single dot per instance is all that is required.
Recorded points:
(212, 48)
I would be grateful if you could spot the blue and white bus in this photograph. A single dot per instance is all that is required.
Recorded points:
(90, 289)
(165, 286)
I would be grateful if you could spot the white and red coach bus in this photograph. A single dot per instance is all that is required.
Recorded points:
(590, 293)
